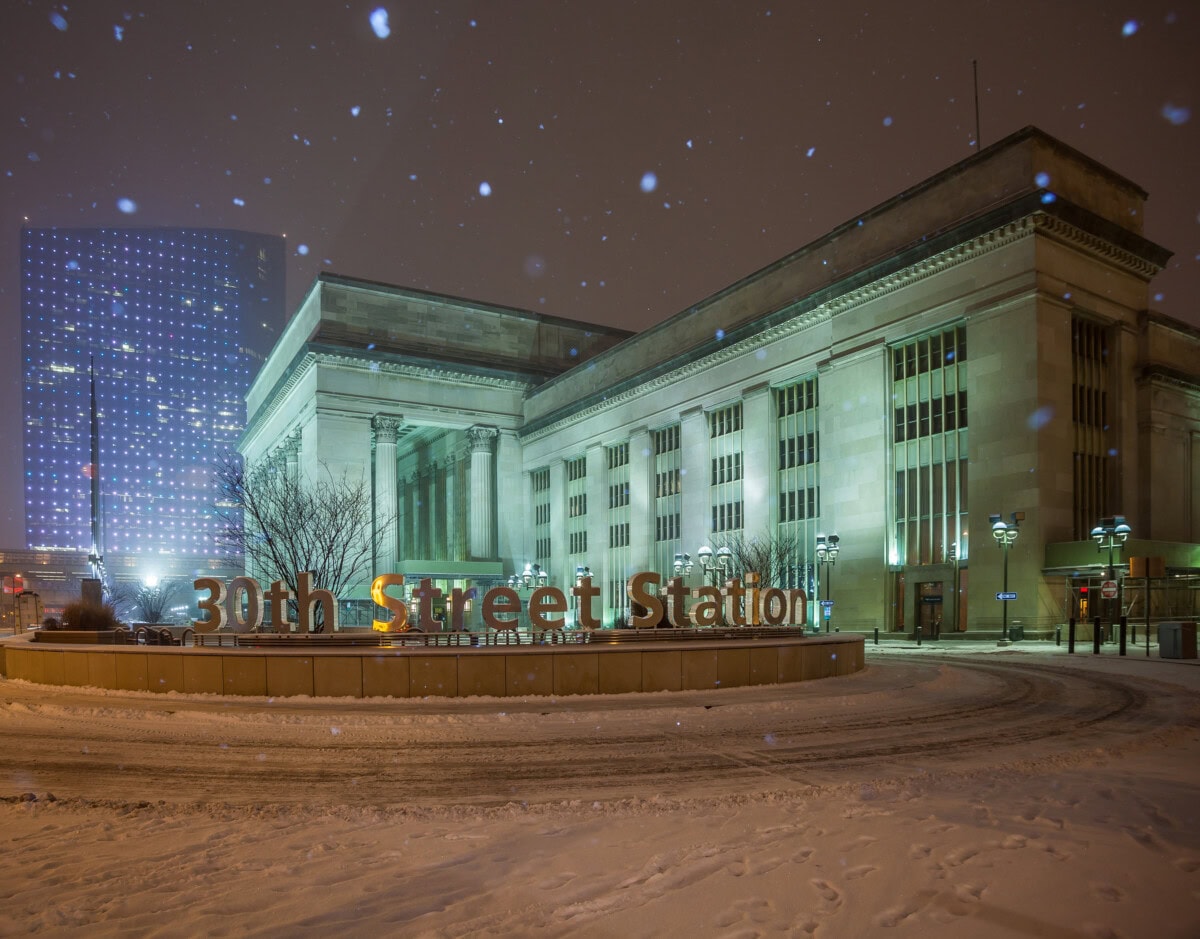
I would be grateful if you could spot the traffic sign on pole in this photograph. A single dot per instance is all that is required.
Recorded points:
(1007, 595)
(1108, 590)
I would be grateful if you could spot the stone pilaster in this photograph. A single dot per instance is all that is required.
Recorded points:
(641, 500)
(695, 471)
(758, 445)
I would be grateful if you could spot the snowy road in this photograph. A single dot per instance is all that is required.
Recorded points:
(900, 717)
(937, 794)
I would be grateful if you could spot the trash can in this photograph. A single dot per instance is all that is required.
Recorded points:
(1177, 640)
(1016, 633)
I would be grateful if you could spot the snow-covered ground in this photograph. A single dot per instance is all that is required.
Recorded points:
(958, 789)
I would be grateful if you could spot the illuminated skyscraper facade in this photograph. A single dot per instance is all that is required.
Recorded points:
(176, 322)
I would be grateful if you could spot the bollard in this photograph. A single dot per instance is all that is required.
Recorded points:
(876, 635)
(918, 633)
(1122, 635)
(1058, 634)
(1096, 636)
(1071, 637)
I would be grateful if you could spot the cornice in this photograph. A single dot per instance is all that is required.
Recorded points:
(309, 359)
(425, 373)
(1100, 248)
(1035, 223)
(803, 319)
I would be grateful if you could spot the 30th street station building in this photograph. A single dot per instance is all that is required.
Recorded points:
(978, 345)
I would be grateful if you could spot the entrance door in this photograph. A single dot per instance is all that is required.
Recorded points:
(929, 609)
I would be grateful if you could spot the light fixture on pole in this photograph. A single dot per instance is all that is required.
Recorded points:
(1005, 534)
(827, 552)
(581, 572)
(715, 565)
(683, 564)
(1110, 534)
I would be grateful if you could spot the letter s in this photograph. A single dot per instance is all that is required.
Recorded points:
(398, 623)
(641, 592)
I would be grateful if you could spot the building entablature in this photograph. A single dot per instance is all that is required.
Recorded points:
(1027, 174)
(904, 271)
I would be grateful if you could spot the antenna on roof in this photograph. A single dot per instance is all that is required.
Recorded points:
(975, 74)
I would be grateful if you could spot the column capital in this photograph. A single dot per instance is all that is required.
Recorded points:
(291, 443)
(482, 438)
(386, 427)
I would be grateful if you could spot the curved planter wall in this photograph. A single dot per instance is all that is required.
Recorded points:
(451, 672)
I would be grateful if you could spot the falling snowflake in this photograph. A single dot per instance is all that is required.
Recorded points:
(649, 182)
(128, 206)
(1176, 114)
(379, 23)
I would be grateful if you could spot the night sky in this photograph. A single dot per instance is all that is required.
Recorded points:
(611, 161)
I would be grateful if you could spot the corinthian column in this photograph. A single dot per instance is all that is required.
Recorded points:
(385, 428)
(291, 456)
(483, 487)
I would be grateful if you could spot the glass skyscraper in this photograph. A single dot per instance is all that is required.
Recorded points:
(175, 323)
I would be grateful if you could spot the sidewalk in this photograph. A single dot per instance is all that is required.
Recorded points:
(1135, 662)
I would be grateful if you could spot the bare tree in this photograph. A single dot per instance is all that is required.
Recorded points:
(145, 602)
(284, 525)
(776, 557)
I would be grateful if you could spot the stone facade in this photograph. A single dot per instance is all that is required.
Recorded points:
(978, 344)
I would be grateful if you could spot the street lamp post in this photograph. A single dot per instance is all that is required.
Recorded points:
(581, 572)
(952, 551)
(827, 552)
(716, 565)
(1005, 534)
(1110, 534)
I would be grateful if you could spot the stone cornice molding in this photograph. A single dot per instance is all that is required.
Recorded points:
(1095, 246)
(804, 319)
(423, 373)
(310, 359)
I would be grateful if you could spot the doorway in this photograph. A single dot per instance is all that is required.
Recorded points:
(929, 609)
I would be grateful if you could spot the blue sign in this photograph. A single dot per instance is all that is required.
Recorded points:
(1011, 595)
(827, 604)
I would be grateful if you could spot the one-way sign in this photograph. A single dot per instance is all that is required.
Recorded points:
(1010, 595)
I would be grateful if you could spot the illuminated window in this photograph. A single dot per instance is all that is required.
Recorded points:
(725, 453)
(929, 446)
(797, 436)
(667, 498)
(1090, 422)
(540, 484)
(619, 564)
